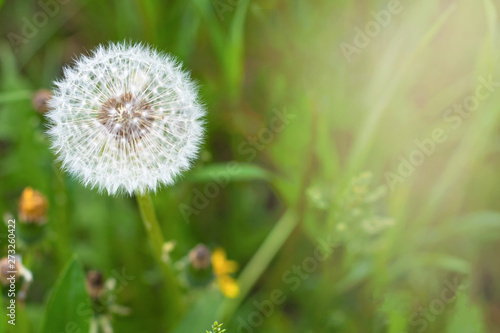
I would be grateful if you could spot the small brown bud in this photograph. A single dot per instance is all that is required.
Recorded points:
(95, 284)
(40, 100)
(6, 267)
(199, 257)
(33, 206)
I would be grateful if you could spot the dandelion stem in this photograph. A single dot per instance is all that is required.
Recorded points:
(155, 236)
(151, 223)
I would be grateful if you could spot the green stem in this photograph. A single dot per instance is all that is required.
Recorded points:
(151, 224)
(259, 262)
(153, 230)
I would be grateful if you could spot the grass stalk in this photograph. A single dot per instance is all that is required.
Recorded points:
(259, 262)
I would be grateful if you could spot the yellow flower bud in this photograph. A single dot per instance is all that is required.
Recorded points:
(33, 206)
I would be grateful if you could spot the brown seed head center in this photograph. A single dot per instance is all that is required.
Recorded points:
(126, 117)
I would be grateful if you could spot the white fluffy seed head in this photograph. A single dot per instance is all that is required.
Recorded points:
(125, 119)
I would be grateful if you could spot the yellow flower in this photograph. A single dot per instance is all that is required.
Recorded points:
(222, 268)
(228, 286)
(221, 265)
(32, 206)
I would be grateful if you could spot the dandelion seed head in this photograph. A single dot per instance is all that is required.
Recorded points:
(126, 118)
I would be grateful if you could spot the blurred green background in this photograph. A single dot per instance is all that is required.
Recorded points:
(373, 208)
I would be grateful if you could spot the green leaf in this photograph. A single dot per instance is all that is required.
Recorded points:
(480, 226)
(467, 317)
(14, 96)
(357, 274)
(225, 172)
(3, 312)
(202, 313)
(68, 308)
(445, 261)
